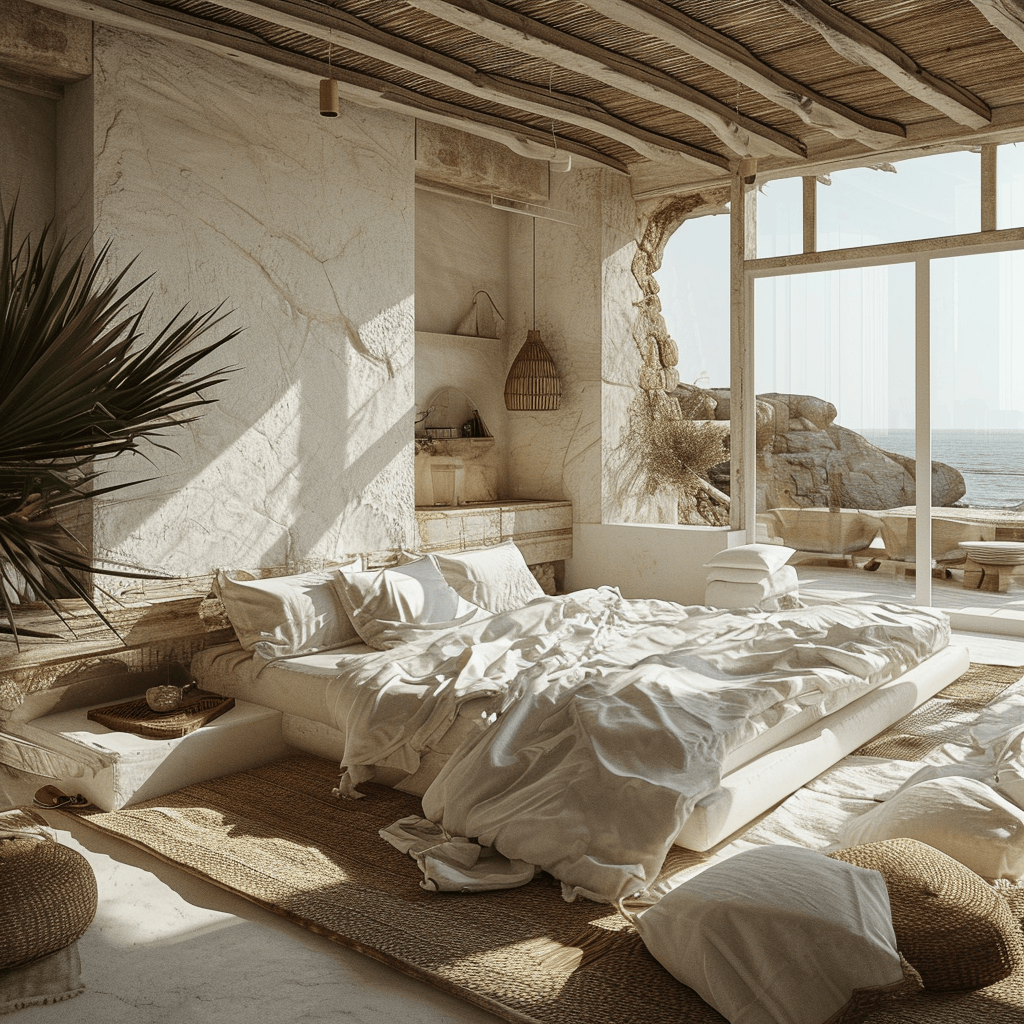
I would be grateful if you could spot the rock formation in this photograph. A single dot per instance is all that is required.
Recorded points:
(805, 459)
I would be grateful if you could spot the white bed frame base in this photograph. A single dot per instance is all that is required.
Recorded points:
(759, 785)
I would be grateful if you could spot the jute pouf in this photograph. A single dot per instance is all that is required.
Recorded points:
(951, 925)
(48, 897)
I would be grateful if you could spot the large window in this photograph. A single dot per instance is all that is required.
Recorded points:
(860, 340)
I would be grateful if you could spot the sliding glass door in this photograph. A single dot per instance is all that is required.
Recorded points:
(834, 357)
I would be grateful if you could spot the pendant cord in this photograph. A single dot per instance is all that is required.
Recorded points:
(535, 273)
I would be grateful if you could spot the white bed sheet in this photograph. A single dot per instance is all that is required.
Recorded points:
(616, 716)
(301, 686)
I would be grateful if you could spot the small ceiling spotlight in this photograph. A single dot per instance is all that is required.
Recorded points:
(328, 97)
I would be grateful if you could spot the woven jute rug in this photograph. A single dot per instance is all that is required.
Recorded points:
(276, 836)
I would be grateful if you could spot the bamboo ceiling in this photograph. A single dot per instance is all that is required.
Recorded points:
(672, 92)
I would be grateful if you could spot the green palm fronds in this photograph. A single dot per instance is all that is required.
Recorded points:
(79, 385)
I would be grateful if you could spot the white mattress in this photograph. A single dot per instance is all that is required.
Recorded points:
(761, 783)
(296, 687)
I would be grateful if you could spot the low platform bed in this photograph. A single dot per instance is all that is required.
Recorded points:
(584, 733)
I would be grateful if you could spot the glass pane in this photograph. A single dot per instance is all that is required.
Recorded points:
(1010, 186)
(924, 198)
(978, 399)
(693, 287)
(834, 364)
(780, 217)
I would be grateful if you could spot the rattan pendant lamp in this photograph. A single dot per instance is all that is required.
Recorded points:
(533, 383)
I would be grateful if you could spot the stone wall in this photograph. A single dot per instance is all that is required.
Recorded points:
(228, 187)
(224, 183)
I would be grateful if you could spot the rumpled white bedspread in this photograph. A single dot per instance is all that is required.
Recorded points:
(614, 716)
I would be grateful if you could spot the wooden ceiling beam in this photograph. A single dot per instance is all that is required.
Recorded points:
(743, 135)
(862, 46)
(661, 21)
(248, 48)
(351, 33)
(1005, 15)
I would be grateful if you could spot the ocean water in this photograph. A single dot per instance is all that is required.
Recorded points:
(991, 461)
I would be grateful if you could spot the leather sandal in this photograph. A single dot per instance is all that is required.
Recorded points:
(54, 799)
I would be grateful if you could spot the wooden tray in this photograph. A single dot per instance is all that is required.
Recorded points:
(136, 716)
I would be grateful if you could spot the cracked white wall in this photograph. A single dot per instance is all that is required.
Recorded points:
(231, 188)
(584, 297)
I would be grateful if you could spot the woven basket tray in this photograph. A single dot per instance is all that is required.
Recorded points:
(136, 716)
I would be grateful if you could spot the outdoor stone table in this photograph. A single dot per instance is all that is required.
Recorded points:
(990, 564)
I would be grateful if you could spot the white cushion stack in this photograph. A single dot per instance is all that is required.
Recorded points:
(751, 576)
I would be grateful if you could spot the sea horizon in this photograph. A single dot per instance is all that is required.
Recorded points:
(991, 460)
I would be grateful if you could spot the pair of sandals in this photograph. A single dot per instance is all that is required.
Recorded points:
(54, 799)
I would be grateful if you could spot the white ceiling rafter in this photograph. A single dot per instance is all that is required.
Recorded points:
(1005, 15)
(249, 48)
(330, 25)
(863, 46)
(661, 21)
(743, 136)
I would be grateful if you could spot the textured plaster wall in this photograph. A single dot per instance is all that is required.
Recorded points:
(555, 283)
(27, 156)
(461, 246)
(227, 186)
(230, 188)
(586, 301)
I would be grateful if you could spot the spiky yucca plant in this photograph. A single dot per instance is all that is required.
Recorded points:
(79, 385)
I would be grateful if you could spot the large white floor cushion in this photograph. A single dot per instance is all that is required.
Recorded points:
(963, 817)
(781, 935)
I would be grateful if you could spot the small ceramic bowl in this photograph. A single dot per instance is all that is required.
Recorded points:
(167, 698)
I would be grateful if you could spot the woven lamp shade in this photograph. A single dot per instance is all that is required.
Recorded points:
(533, 382)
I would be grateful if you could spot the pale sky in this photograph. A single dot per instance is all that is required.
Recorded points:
(848, 337)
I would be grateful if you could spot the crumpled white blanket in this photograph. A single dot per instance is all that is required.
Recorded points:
(454, 863)
(619, 714)
(608, 717)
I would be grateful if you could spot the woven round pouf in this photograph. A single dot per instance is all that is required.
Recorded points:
(48, 898)
(953, 927)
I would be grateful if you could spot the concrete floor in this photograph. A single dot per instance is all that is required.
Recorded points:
(168, 948)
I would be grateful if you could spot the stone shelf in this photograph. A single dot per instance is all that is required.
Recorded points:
(541, 529)
(429, 336)
(456, 446)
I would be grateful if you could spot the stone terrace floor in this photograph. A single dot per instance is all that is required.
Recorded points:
(827, 582)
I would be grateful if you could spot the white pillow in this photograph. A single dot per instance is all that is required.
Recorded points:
(777, 934)
(764, 557)
(962, 817)
(722, 574)
(386, 604)
(496, 578)
(285, 615)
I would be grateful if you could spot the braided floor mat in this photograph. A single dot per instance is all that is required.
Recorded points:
(276, 836)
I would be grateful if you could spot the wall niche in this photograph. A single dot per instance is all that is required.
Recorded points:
(461, 252)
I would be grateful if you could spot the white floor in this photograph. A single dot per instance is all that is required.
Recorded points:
(167, 948)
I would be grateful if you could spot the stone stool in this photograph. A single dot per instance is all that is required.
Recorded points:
(990, 564)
